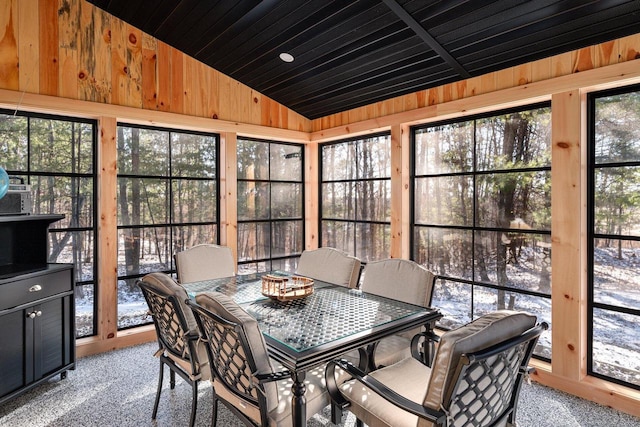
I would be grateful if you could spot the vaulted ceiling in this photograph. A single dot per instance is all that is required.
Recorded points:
(349, 53)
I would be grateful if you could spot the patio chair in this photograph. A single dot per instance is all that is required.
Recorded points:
(406, 281)
(330, 265)
(204, 262)
(475, 379)
(177, 334)
(244, 378)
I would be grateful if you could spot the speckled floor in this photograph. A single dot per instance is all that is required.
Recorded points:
(118, 389)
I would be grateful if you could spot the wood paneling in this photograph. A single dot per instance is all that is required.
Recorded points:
(629, 48)
(623, 73)
(163, 77)
(589, 58)
(9, 72)
(29, 46)
(107, 167)
(133, 63)
(398, 208)
(68, 42)
(311, 191)
(177, 77)
(71, 49)
(568, 263)
(119, 69)
(149, 73)
(94, 72)
(229, 192)
(71, 107)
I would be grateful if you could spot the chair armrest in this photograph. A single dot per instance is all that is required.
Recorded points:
(415, 349)
(376, 386)
(192, 336)
(272, 376)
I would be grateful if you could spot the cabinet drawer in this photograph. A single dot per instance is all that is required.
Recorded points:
(34, 288)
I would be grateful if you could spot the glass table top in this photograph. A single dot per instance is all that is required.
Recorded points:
(328, 315)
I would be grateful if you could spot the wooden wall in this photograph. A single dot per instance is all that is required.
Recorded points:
(609, 53)
(68, 57)
(71, 49)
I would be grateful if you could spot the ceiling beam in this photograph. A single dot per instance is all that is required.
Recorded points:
(426, 37)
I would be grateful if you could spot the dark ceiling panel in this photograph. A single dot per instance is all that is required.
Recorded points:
(352, 53)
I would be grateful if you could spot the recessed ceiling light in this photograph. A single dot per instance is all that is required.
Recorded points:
(286, 57)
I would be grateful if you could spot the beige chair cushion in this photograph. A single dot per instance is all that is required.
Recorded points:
(409, 378)
(330, 265)
(419, 383)
(228, 309)
(403, 280)
(164, 284)
(393, 349)
(278, 393)
(204, 262)
(399, 279)
(483, 332)
(203, 363)
(316, 396)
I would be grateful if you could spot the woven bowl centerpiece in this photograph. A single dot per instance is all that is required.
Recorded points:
(286, 288)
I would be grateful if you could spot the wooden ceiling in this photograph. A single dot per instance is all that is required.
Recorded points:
(352, 53)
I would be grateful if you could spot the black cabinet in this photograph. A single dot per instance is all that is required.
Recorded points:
(37, 315)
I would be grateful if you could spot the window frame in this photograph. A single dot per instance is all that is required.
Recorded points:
(94, 229)
(355, 222)
(592, 167)
(170, 178)
(473, 228)
(270, 259)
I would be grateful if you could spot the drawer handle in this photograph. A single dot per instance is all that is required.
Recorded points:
(35, 288)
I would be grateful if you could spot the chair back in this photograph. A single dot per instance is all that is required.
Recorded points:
(204, 262)
(173, 320)
(330, 265)
(478, 368)
(400, 279)
(237, 352)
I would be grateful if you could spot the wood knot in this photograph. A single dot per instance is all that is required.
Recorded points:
(82, 75)
(255, 99)
(562, 144)
(214, 116)
(125, 69)
(571, 347)
(132, 38)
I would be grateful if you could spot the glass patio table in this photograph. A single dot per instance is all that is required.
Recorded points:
(304, 333)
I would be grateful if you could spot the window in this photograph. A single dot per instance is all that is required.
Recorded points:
(167, 201)
(614, 235)
(270, 205)
(55, 156)
(355, 197)
(482, 214)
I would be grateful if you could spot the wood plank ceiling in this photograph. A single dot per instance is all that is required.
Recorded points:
(351, 53)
